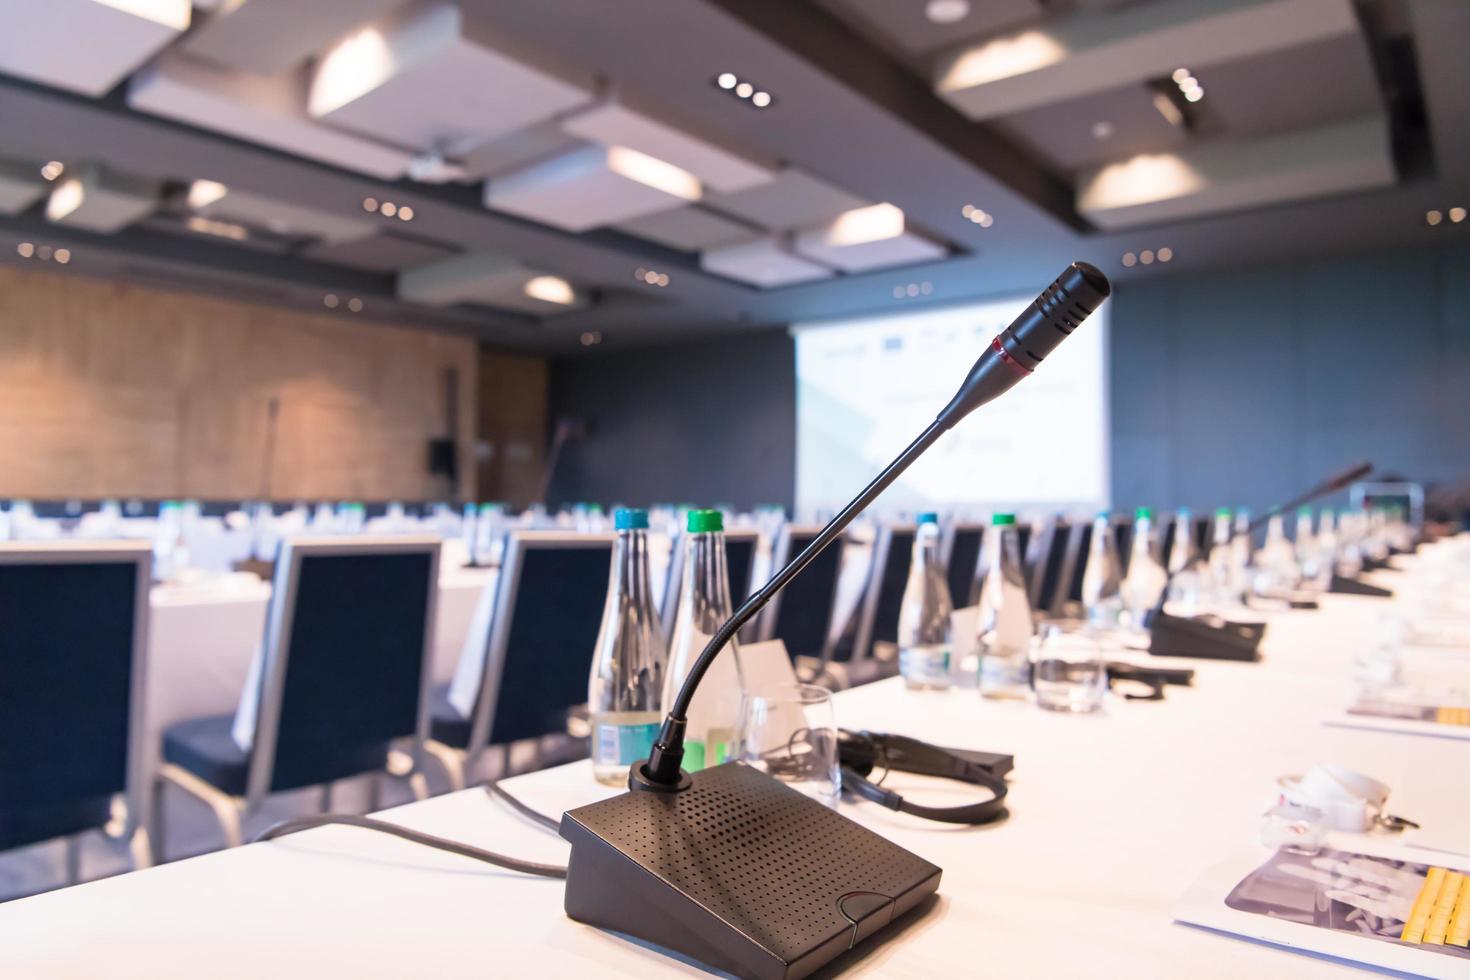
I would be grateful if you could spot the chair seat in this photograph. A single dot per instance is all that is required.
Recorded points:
(31, 825)
(445, 724)
(204, 747)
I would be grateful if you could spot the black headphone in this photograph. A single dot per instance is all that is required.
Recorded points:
(860, 752)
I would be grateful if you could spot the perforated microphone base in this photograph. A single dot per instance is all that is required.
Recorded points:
(738, 872)
(1352, 586)
(1180, 636)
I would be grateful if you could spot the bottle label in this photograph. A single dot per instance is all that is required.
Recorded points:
(625, 744)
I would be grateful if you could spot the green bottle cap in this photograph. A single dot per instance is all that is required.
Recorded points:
(630, 519)
(1002, 520)
(928, 517)
(1304, 511)
(1144, 514)
(701, 521)
(1222, 511)
(1102, 515)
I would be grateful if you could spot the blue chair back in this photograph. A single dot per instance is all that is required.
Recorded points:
(962, 563)
(73, 635)
(801, 614)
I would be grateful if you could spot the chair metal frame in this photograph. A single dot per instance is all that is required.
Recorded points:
(230, 811)
(863, 666)
(125, 827)
(458, 764)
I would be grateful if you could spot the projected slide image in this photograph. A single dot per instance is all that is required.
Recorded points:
(866, 388)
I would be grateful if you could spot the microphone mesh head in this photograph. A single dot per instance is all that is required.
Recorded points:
(1059, 309)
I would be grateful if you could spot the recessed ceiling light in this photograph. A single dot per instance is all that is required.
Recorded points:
(1194, 94)
(370, 204)
(203, 193)
(1165, 254)
(52, 169)
(947, 11)
(1129, 259)
(745, 90)
(591, 338)
(760, 99)
(388, 209)
(898, 292)
(330, 301)
(219, 229)
(405, 213)
(355, 305)
(926, 288)
(25, 249)
(663, 279)
(1102, 129)
(967, 210)
(1433, 217)
(62, 256)
(726, 80)
(1146, 256)
(1457, 215)
(550, 289)
(1180, 74)
(43, 252)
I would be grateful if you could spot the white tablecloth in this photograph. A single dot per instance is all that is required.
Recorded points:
(1113, 816)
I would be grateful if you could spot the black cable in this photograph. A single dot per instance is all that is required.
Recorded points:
(550, 823)
(428, 840)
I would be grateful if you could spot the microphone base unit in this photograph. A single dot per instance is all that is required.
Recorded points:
(1352, 586)
(738, 872)
(1180, 636)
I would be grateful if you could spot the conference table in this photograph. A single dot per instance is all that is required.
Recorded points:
(1112, 817)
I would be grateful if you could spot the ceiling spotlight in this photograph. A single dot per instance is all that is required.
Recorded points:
(760, 99)
(591, 338)
(405, 213)
(967, 210)
(355, 305)
(43, 252)
(1165, 254)
(203, 193)
(898, 292)
(1180, 74)
(370, 204)
(1129, 260)
(1433, 218)
(744, 90)
(985, 220)
(639, 273)
(550, 289)
(52, 169)
(388, 209)
(947, 11)
(1102, 129)
(1146, 256)
(926, 288)
(330, 301)
(62, 256)
(25, 249)
(1457, 215)
(1194, 94)
(726, 80)
(663, 279)
(912, 289)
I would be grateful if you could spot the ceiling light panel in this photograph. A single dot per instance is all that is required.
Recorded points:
(873, 237)
(616, 125)
(86, 46)
(285, 218)
(591, 187)
(268, 110)
(1222, 177)
(1091, 50)
(268, 37)
(431, 78)
(494, 280)
(793, 198)
(764, 262)
(21, 185)
(101, 201)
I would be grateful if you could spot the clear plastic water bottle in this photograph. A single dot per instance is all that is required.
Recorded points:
(704, 605)
(1241, 554)
(1220, 558)
(1349, 545)
(1276, 570)
(925, 633)
(1005, 615)
(1144, 584)
(626, 689)
(489, 534)
(170, 550)
(1326, 548)
(1102, 579)
(1181, 553)
(1304, 544)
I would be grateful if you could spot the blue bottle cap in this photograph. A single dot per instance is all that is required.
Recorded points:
(928, 517)
(630, 519)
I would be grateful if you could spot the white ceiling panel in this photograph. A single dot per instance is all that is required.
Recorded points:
(516, 150)
(434, 77)
(617, 125)
(265, 109)
(20, 186)
(290, 219)
(495, 280)
(689, 228)
(85, 46)
(267, 37)
(874, 237)
(764, 262)
(101, 201)
(792, 199)
(591, 187)
(1235, 175)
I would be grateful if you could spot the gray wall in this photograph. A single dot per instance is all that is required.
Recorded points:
(703, 423)
(1231, 388)
(1244, 387)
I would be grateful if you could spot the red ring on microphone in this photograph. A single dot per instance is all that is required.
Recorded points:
(1005, 356)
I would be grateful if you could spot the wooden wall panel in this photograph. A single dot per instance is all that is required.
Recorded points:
(513, 427)
(114, 391)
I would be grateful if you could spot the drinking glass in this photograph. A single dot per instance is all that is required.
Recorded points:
(789, 732)
(1068, 671)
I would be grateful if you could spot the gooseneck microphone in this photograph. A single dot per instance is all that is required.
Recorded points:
(1014, 353)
